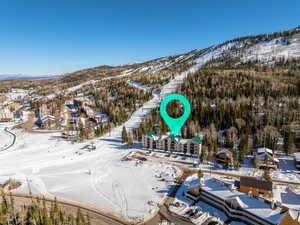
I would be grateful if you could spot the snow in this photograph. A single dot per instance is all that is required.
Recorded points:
(138, 85)
(253, 205)
(46, 165)
(287, 196)
(278, 48)
(297, 156)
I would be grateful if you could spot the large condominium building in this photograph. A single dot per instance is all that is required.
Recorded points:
(172, 144)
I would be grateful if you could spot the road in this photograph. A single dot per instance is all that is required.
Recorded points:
(13, 141)
(187, 166)
(97, 216)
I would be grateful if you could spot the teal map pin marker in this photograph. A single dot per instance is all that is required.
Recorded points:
(175, 124)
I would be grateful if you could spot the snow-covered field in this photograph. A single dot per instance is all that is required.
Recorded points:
(49, 166)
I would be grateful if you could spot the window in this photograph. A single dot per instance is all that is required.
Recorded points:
(172, 145)
(192, 148)
(166, 144)
(185, 148)
(154, 145)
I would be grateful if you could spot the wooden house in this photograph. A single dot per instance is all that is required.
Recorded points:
(224, 156)
(265, 159)
(255, 186)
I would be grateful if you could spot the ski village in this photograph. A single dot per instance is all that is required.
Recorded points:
(95, 140)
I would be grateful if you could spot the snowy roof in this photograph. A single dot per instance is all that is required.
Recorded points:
(263, 150)
(151, 133)
(250, 204)
(297, 156)
(295, 214)
(184, 141)
(225, 151)
(236, 201)
(197, 139)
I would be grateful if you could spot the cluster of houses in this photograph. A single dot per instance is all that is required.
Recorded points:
(75, 115)
(171, 144)
(81, 112)
(13, 109)
(264, 158)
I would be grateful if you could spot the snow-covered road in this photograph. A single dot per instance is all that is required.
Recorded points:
(6, 139)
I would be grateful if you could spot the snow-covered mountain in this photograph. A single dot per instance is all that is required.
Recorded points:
(23, 76)
(265, 48)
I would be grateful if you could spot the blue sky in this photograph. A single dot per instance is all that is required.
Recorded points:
(60, 36)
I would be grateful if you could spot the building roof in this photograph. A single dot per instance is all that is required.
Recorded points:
(253, 205)
(295, 215)
(297, 156)
(236, 202)
(265, 150)
(225, 151)
(197, 139)
(151, 133)
(256, 183)
(179, 139)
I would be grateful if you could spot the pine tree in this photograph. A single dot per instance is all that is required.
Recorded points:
(129, 142)
(124, 135)
(291, 144)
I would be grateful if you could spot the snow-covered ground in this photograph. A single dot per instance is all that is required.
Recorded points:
(138, 85)
(49, 166)
(277, 48)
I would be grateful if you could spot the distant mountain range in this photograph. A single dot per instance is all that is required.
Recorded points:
(23, 76)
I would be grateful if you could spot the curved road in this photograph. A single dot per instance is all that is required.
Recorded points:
(13, 142)
(97, 216)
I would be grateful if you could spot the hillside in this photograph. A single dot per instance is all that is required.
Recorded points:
(265, 48)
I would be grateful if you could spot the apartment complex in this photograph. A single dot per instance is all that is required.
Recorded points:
(172, 144)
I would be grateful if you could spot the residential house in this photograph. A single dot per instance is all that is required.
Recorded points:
(255, 186)
(265, 159)
(43, 110)
(12, 106)
(84, 101)
(172, 144)
(6, 115)
(224, 156)
(47, 122)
